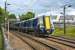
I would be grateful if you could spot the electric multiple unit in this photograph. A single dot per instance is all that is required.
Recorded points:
(41, 25)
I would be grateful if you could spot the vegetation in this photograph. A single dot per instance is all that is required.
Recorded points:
(1, 41)
(11, 16)
(70, 32)
(1, 15)
(26, 16)
(2, 20)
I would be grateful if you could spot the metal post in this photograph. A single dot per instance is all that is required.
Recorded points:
(64, 20)
(8, 29)
(6, 17)
(5, 14)
(65, 17)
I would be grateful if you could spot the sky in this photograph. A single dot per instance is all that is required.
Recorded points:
(38, 6)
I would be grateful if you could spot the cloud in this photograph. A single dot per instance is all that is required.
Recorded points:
(38, 6)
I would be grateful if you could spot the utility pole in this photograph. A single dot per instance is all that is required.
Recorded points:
(64, 10)
(64, 20)
(6, 19)
(5, 13)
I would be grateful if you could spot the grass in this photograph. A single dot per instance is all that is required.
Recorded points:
(70, 32)
(1, 41)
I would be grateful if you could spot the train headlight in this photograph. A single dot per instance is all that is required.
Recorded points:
(48, 31)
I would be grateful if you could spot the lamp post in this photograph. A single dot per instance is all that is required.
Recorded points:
(64, 10)
(5, 13)
(6, 4)
(64, 20)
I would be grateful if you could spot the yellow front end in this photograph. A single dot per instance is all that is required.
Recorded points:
(47, 23)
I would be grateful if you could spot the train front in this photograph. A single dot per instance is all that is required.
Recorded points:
(46, 25)
(49, 27)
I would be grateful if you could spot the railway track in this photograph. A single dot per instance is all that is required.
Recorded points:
(35, 44)
(18, 44)
(52, 42)
(64, 41)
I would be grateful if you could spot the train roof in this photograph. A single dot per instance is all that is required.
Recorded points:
(38, 16)
(27, 20)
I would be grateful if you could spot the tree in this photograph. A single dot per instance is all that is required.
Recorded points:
(26, 16)
(6, 15)
(1, 15)
(11, 16)
(1, 11)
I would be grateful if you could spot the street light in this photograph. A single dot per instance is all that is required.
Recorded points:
(5, 1)
(6, 4)
(64, 10)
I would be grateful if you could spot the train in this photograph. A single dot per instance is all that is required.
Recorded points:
(42, 25)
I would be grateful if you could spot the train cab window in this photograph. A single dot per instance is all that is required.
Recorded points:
(41, 22)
